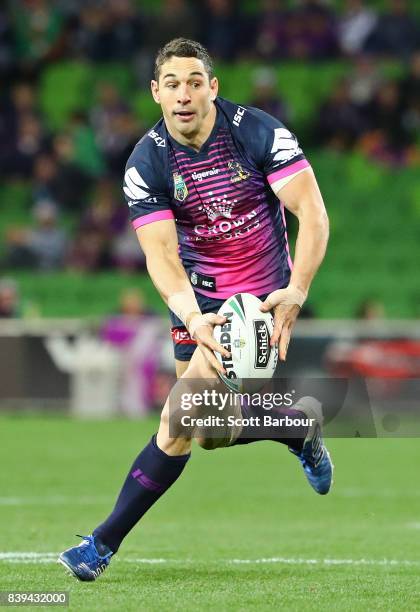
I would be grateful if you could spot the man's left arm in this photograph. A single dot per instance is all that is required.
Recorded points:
(302, 197)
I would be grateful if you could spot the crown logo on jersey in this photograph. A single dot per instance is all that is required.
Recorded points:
(218, 207)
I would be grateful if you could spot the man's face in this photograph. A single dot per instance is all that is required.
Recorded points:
(185, 94)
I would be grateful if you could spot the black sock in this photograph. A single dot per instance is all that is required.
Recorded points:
(291, 435)
(151, 474)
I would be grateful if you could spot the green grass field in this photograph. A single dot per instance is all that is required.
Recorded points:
(240, 530)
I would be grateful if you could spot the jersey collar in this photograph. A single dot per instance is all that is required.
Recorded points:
(204, 149)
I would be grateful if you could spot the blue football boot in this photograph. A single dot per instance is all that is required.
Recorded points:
(84, 561)
(314, 455)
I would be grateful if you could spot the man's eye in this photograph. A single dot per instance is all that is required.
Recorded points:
(196, 85)
(171, 85)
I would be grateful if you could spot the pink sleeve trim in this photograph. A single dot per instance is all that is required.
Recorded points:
(279, 174)
(160, 215)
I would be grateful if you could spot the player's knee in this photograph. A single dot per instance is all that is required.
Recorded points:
(211, 443)
(171, 438)
(164, 415)
(207, 443)
(172, 424)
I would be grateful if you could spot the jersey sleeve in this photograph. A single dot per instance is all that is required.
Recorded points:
(277, 150)
(145, 188)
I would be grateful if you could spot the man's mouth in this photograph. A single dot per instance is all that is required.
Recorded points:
(185, 115)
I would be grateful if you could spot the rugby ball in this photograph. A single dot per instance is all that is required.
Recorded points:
(246, 335)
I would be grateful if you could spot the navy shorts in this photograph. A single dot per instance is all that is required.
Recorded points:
(184, 345)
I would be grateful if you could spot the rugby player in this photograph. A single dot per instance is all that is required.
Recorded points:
(206, 188)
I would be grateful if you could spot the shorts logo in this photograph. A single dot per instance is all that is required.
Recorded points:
(262, 344)
(180, 188)
(239, 174)
(181, 336)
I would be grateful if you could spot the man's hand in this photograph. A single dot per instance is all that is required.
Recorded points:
(201, 330)
(286, 304)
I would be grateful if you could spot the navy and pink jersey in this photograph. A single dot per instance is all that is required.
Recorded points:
(231, 226)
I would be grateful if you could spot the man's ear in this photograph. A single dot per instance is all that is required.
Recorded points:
(155, 91)
(214, 86)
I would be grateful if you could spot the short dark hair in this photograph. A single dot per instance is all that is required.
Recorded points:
(183, 47)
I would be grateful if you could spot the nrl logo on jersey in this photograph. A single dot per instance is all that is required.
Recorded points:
(180, 188)
(239, 174)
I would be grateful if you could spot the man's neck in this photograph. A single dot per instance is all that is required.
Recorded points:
(195, 141)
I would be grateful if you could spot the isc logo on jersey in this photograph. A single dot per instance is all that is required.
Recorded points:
(240, 111)
(285, 146)
(160, 142)
(246, 335)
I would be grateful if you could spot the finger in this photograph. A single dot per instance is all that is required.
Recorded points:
(215, 346)
(209, 355)
(275, 336)
(203, 337)
(279, 320)
(220, 320)
(266, 306)
(284, 342)
(215, 319)
(272, 300)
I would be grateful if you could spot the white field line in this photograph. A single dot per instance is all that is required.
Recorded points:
(298, 561)
(414, 525)
(28, 557)
(51, 557)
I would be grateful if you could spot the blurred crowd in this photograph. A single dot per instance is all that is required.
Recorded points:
(373, 114)
(75, 174)
(35, 32)
(76, 220)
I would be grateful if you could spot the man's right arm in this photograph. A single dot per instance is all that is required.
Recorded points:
(159, 242)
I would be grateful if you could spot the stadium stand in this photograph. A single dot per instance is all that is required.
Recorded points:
(370, 184)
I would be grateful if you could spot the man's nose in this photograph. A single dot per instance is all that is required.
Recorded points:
(183, 95)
